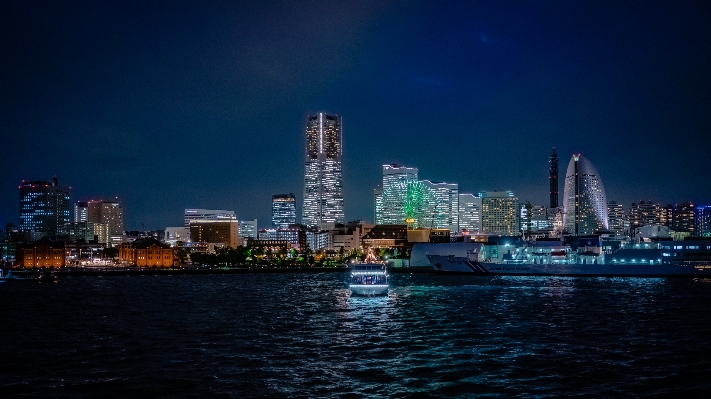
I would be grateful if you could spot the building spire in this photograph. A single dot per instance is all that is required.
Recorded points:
(553, 177)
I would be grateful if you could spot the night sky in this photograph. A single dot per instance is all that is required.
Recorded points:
(172, 105)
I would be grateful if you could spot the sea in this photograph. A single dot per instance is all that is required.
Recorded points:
(302, 335)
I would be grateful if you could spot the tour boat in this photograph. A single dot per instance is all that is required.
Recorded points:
(369, 278)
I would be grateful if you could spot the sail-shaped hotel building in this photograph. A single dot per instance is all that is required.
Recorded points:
(584, 199)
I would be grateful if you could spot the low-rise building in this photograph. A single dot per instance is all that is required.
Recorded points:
(42, 253)
(147, 252)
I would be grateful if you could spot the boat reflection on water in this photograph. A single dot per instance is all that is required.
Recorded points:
(369, 278)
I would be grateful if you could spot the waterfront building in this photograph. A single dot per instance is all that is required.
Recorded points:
(683, 217)
(44, 208)
(537, 219)
(208, 214)
(553, 179)
(323, 175)
(109, 213)
(81, 212)
(584, 200)
(223, 233)
(446, 211)
(469, 213)
(42, 253)
(147, 252)
(395, 179)
(702, 221)
(283, 210)
(617, 218)
(500, 213)
(386, 236)
(248, 228)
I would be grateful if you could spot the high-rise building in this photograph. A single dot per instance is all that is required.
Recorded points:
(446, 212)
(553, 177)
(248, 229)
(645, 213)
(81, 211)
(469, 213)
(283, 210)
(702, 222)
(683, 217)
(109, 213)
(208, 214)
(584, 200)
(500, 213)
(323, 176)
(44, 208)
(617, 219)
(219, 232)
(397, 177)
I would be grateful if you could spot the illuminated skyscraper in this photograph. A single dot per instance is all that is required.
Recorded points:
(323, 177)
(617, 220)
(702, 221)
(469, 213)
(44, 208)
(584, 201)
(446, 212)
(283, 210)
(110, 213)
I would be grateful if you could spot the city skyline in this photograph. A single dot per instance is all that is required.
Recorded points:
(170, 108)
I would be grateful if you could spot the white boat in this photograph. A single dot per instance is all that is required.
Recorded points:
(369, 278)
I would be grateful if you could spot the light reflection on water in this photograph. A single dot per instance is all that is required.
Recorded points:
(305, 335)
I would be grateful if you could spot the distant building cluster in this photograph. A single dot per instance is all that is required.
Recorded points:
(53, 233)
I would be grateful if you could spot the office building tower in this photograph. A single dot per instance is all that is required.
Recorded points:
(393, 175)
(584, 200)
(81, 211)
(283, 210)
(645, 213)
(500, 213)
(208, 214)
(109, 213)
(323, 176)
(469, 213)
(617, 219)
(702, 221)
(248, 229)
(553, 177)
(683, 217)
(44, 208)
(446, 211)
(222, 233)
(535, 219)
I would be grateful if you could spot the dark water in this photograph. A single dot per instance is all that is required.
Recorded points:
(301, 335)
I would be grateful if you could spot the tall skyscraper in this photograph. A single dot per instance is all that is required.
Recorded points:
(323, 177)
(283, 210)
(110, 213)
(553, 177)
(584, 200)
(500, 213)
(44, 208)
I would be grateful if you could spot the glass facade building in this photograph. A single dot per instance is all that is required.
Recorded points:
(283, 210)
(192, 215)
(584, 200)
(44, 208)
(323, 175)
(702, 221)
